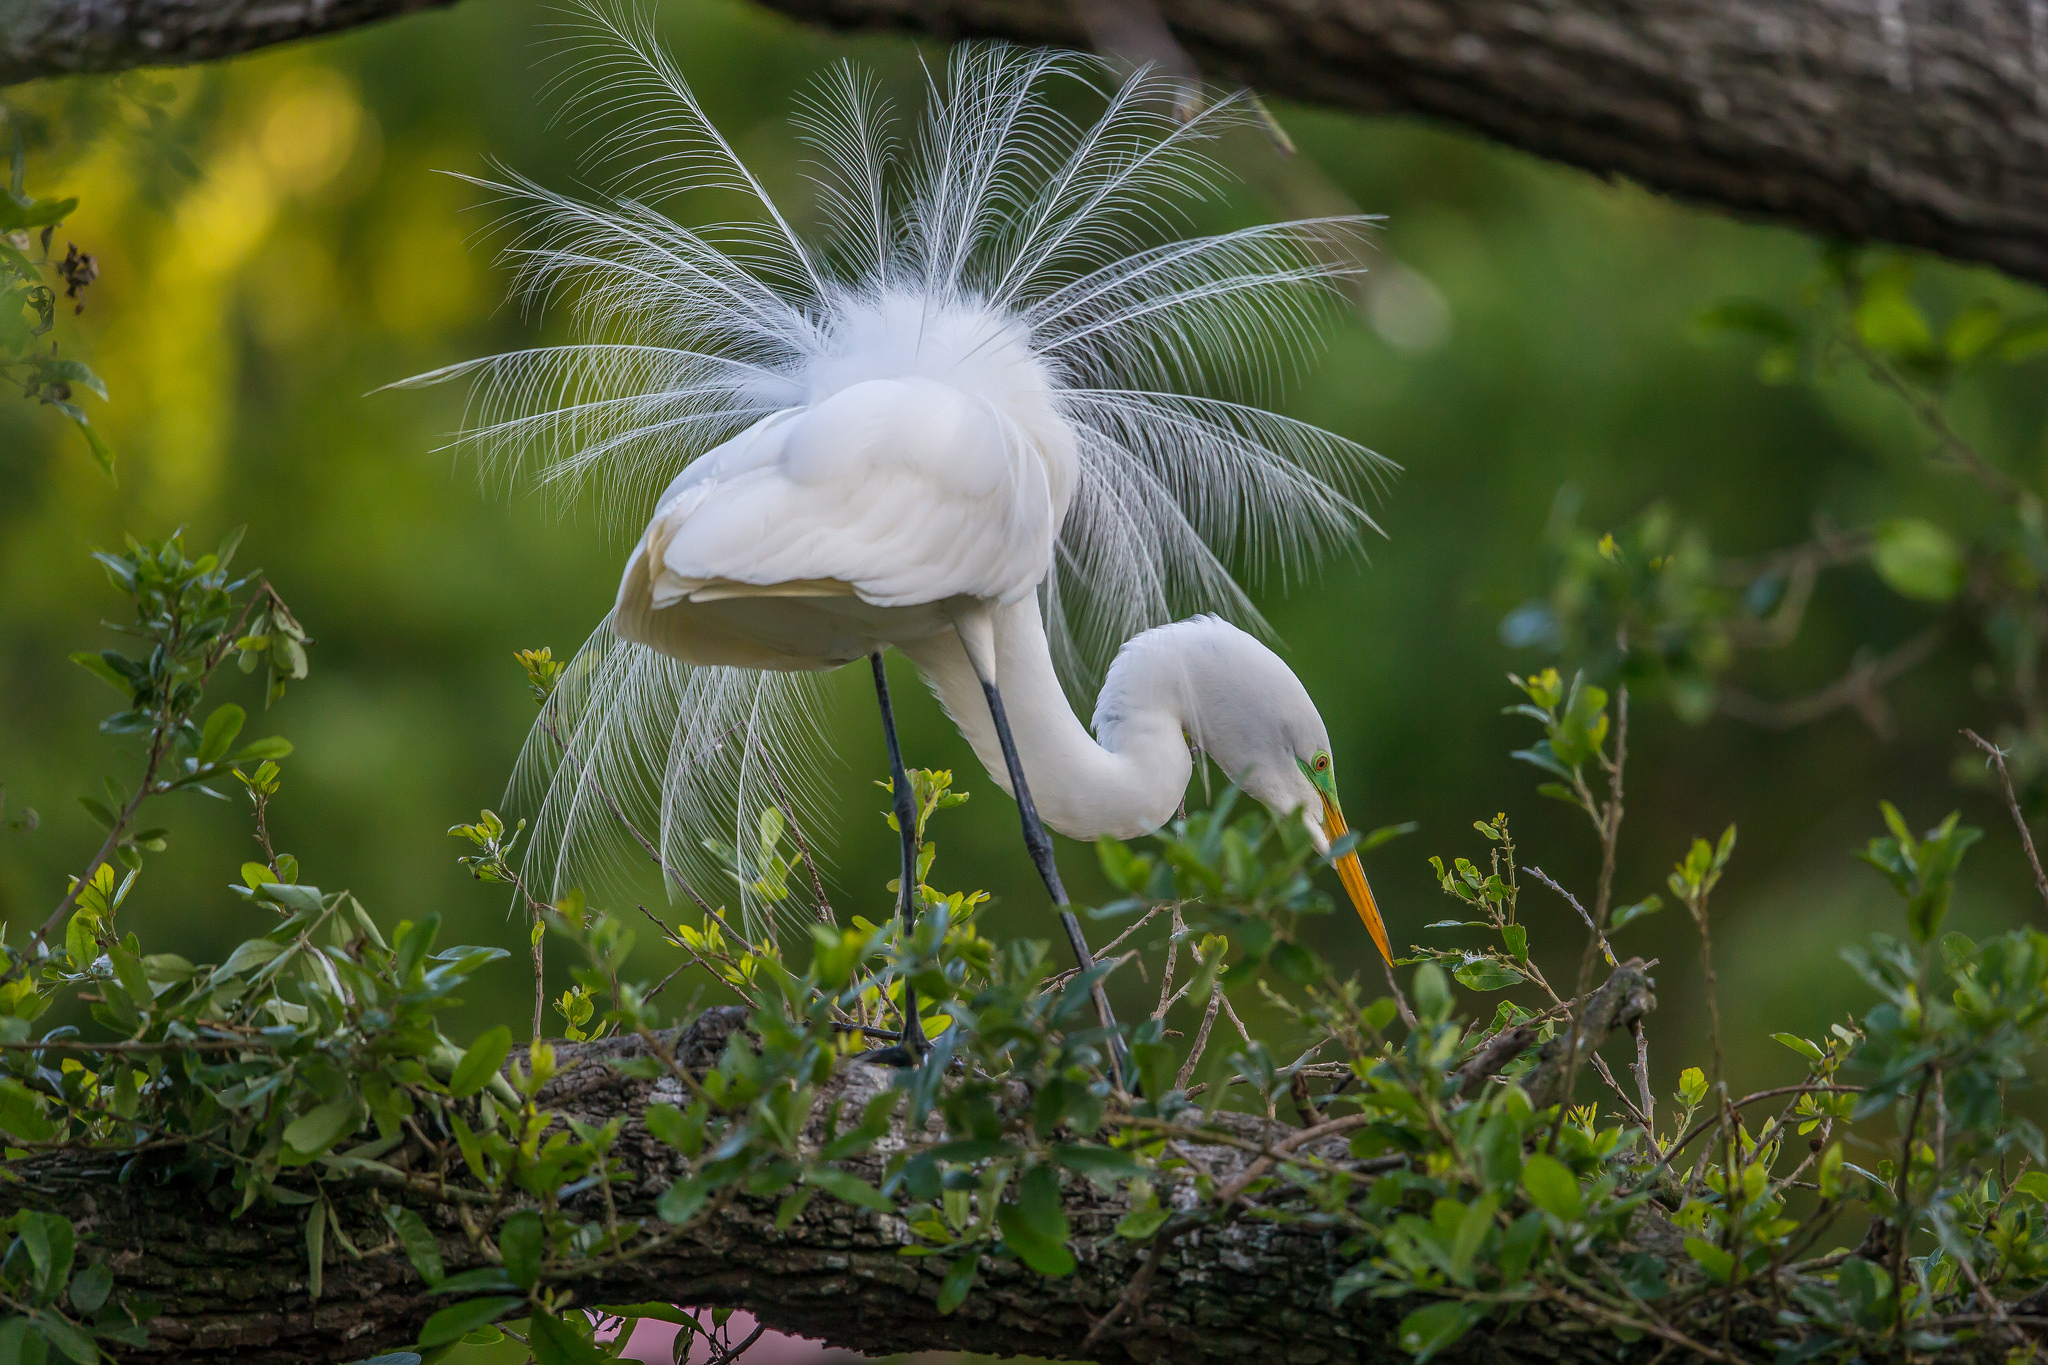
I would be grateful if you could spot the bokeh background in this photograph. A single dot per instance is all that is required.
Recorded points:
(281, 242)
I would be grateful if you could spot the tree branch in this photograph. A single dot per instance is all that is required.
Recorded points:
(63, 37)
(1920, 123)
(1861, 688)
(1240, 1287)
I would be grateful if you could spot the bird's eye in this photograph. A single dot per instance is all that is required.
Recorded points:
(1322, 763)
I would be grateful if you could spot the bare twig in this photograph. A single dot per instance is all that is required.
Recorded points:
(1995, 756)
(1172, 958)
(1400, 1000)
(1642, 1074)
(1861, 688)
(1607, 819)
(1187, 1069)
(1606, 949)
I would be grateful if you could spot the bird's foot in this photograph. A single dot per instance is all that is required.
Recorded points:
(910, 1048)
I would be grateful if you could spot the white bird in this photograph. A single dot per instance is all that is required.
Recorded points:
(960, 417)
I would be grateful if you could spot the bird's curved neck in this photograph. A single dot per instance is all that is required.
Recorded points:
(1129, 786)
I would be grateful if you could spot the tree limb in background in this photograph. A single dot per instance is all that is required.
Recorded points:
(1866, 122)
(63, 37)
(1861, 689)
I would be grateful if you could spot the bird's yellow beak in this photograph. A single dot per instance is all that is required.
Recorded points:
(1353, 877)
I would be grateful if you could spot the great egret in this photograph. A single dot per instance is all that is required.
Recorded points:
(959, 423)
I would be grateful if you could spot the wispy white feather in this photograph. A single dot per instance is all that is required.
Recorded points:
(1006, 219)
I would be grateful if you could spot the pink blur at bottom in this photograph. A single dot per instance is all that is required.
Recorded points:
(653, 1343)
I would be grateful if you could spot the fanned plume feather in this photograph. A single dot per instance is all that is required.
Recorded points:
(1014, 222)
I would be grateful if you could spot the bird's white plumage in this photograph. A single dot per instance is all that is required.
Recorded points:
(904, 490)
(986, 380)
(1201, 681)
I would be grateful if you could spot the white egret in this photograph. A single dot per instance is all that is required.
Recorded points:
(960, 423)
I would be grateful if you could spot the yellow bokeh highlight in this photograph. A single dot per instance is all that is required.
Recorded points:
(309, 132)
(176, 352)
(427, 278)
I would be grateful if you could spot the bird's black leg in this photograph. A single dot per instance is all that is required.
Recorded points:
(1039, 843)
(914, 1044)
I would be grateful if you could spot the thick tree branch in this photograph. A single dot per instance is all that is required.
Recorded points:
(1921, 122)
(1247, 1288)
(61, 37)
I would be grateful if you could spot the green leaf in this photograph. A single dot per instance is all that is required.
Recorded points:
(1485, 974)
(458, 1320)
(1828, 1174)
(1552, 1187)
(76, 1346)
(1717, 1263)
(1473, 1226)
(39, 213)
(1973, 330)
(1917, 559)
(316, 1247)
(1434, 1326)
(1432, 994)
(269, 747)
(90, 1287)
(660, 1312)
(959, 1280)
(1386, 834)
(221, 728)
(681, 1201)
(1035, 1224)
(421, 1247)
(1887, 320)
(1141, 1222)
(102, 453)
(1101, 1163)
(1692, 1087)
(1800, 1046)
(522, 1241)
(485, 1057)
(16, 1346)
(2025, 339)
(555, 1342)
(1629, 914)
(484, 1279)
(1294, 962)
(317, 1130)
(21, 1112)
(97, 665)
(247, 957)
(1500, 1150)
(849, 1188)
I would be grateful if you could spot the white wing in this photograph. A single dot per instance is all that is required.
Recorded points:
(905, 490)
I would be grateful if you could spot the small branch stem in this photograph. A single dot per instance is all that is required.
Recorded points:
(1995, 757)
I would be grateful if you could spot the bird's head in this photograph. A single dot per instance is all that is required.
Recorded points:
(1324, 815)
(1242, 705)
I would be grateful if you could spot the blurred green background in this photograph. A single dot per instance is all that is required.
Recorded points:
(1535, 334)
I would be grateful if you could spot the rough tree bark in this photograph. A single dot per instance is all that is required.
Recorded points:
(1251, 1289)
(1920, 122)
(60, 37)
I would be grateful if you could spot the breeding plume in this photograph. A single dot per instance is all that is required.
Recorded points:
(993, 412)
